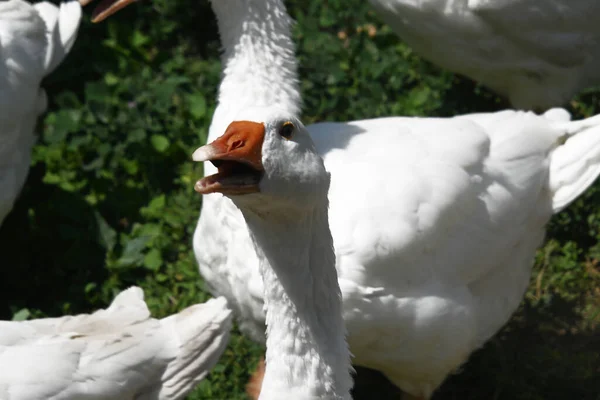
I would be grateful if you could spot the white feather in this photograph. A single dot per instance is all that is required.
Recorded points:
(33, 41)
(117, 353)
(538, 53)
(435, 221)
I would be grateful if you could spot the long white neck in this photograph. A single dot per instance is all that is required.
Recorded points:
(307, 354)
(259, 61)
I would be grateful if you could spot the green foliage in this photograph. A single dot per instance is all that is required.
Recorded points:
(109, 201)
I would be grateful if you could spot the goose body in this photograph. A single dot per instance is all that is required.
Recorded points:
(116, 353)
(435, 225)
(34, 39)
(537, 53)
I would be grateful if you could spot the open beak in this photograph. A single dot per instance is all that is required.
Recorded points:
(106, 8)
(238, 157)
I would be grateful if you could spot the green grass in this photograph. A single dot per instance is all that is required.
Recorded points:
(109, 201)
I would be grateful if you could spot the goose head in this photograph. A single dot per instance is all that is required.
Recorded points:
(265, 156)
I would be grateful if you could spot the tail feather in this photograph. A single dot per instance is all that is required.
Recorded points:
(575, 165)
(62, 25)
(203, 334)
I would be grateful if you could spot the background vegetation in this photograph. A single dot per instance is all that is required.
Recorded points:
(109, 201)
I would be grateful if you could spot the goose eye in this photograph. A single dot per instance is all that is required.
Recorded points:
(287, 130)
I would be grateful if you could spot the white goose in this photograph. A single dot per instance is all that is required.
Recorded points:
(270, 169)
(117, 353)
(537, 53)
(34, 40)
(435, 221)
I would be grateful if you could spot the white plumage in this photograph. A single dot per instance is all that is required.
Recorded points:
(538, 53)
(435, 221)
(435, 225)
(117, 353)
(34, 39)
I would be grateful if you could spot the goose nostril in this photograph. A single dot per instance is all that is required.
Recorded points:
(236, 145)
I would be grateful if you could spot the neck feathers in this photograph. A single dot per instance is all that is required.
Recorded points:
(259, 63)
(307, 354)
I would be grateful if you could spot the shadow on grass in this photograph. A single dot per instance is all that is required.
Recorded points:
(543, 353)
(51, 250)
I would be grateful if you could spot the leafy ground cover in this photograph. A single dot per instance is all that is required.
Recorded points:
(109, 200)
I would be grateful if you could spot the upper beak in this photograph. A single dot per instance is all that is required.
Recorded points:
(241, 142)
(106, 8)
(238, 156)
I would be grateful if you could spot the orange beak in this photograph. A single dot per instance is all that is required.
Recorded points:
(106, 8)
(238, 156)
